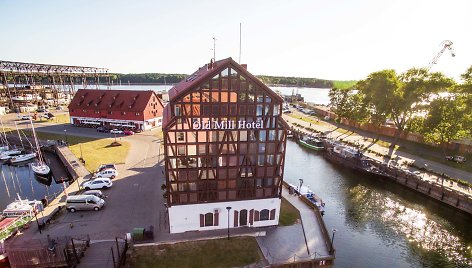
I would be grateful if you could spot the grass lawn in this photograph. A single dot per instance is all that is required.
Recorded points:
(93, 151)
(96, 152)
(313, 121)
(236, 252)
(288, 214)
(61, 119)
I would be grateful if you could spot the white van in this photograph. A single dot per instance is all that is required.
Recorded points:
(84, 202)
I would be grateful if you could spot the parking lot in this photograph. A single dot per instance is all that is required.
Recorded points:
(134, 201)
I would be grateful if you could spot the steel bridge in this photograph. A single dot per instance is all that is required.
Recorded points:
(24, 83)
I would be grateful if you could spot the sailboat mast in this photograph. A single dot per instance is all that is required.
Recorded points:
(4, 135)
(19, 136)
(38, 150)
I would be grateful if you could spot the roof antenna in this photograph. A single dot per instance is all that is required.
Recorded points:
(214, 48)
(239, 43)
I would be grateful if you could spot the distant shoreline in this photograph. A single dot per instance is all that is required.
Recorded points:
(161, 84)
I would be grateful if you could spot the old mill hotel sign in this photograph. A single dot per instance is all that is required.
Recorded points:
(226, 124)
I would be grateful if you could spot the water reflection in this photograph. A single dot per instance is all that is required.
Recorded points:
(426, 234)
(46, 180)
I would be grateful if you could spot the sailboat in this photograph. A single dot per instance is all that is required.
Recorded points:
(5, 151)
(39, 167)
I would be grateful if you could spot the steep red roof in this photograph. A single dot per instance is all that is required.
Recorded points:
(208, 71)
(103, 99)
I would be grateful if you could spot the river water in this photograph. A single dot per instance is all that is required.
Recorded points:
(381, 224)
(313, 95)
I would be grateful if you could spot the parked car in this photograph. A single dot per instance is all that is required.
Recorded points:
(24, 117)
(96, 193)
(456, 158)
(107, 173)
(84, 202)
(102, 129)
(106, 166)
(128, 132)
(98, 183)
(116, 131)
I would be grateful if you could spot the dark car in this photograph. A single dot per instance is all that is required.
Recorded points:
(102, 129)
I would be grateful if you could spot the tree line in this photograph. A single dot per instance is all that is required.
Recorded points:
(159, 78)
(418, 101)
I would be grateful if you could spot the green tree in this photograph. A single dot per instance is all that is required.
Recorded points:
(416, 88)
(446, 121)
(377, 94)
(346, 104)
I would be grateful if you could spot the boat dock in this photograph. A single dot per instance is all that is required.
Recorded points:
(304, 243)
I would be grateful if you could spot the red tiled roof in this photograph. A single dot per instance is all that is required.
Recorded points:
(103, 99)
(203, 74)
(196, 78)
(207, 72)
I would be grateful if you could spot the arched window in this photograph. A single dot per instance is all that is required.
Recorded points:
(209, 219)
(264, 215)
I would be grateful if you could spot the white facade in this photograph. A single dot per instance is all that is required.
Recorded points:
(252, 213)
(144, 125)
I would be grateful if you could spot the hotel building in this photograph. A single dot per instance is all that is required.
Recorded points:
(224, 140)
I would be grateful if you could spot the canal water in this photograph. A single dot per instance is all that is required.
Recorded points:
(381, 224)
(19, 180)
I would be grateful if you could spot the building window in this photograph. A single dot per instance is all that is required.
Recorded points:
(264, 215)
(123, 113)
(209, 219)
(110, 112)
(138, 113)
(180, 136)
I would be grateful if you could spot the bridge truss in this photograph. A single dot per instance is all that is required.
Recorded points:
(45, 81)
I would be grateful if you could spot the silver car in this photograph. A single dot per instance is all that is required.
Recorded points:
(84, 202)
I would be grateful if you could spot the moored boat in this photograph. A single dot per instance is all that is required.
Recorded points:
(22, 207)
(312, 143)
(22, 158)
(310, 195)
(39, 167)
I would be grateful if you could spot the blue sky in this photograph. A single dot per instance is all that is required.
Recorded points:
(331, 39)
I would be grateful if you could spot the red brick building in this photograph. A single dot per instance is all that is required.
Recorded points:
(124, 109)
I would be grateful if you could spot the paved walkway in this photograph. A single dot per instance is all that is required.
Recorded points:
(301, 241)
(99, 254)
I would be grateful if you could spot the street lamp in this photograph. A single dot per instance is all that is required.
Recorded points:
(332, 241)
(228, 208)
(301, 183)
(65, 134)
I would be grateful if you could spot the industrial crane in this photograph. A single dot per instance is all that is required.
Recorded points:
(446, 44)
